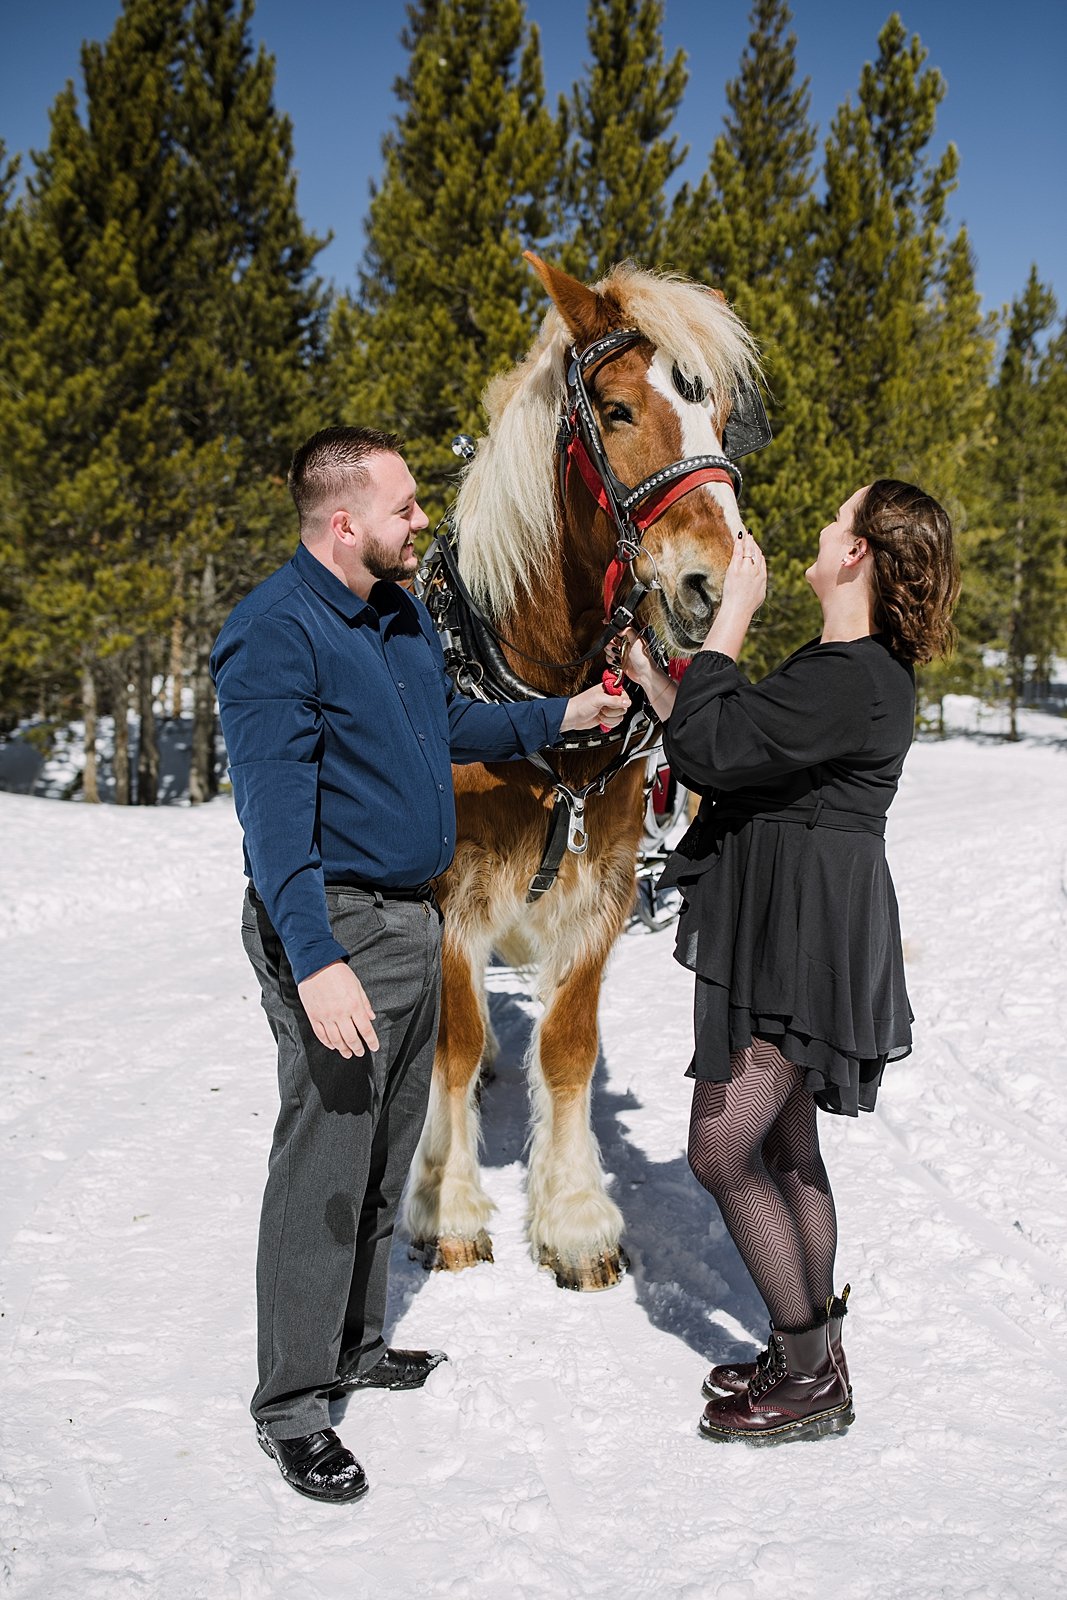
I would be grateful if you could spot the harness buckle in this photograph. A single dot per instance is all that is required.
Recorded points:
(577, 838)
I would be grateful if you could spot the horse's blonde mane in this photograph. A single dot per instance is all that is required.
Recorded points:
(506, 509)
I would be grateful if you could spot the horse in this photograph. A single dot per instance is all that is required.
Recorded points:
(638, 379)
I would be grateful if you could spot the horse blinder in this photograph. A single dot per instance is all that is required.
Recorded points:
(747, 427)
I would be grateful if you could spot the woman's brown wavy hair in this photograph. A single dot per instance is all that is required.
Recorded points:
(916, 569)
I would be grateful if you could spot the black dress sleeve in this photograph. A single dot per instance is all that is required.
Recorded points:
(726, 733)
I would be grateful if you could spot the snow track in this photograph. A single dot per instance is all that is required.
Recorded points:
(556, 1455)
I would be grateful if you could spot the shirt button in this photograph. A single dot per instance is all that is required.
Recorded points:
(400, 685)
(441, 787)
(422, 736)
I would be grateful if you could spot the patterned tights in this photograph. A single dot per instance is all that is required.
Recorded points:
(754, 1145)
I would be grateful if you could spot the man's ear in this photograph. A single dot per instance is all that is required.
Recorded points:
(342, 525)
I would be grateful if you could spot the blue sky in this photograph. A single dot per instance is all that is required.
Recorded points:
(337, 59)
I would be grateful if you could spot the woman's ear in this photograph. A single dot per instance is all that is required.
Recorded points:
(857, 549)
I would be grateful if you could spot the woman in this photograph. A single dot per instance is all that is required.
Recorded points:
(790, 920)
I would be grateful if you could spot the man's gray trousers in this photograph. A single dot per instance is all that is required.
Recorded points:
(343, 1143)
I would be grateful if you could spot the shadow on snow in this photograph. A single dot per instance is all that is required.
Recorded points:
(684, 1264)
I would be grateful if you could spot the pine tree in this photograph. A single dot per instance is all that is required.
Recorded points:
(12, 681)
(618, 158)
(950, 405)
(889, 294)
(245, 318)
(748, 229)
(81, 425)
(445, 298)
(167, 324)
(1015, 578)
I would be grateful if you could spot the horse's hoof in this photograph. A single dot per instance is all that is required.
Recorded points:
(450, 1253)
(586, 1273)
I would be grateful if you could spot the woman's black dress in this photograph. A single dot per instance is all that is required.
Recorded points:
(790, 918)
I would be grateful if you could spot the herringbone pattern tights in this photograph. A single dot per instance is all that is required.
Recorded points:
(754, 1145)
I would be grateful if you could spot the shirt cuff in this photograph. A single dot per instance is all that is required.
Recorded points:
(316, 956)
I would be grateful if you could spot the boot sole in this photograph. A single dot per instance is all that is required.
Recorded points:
(819, 1427)
(344, 1498)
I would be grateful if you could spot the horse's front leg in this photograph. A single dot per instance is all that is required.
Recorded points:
(574, 1225)
(446, 1210)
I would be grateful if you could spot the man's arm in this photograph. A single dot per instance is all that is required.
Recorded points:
(264, 673)
(480, 732)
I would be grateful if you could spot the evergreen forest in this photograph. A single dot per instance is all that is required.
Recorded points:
(166, 340)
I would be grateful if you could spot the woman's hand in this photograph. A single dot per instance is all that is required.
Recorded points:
(744, 589)
(632, 659)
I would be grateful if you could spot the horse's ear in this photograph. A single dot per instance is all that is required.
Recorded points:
(587, 314)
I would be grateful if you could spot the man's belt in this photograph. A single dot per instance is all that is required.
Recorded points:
(418, 891)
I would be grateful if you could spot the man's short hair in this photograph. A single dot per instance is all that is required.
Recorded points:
(333, 464)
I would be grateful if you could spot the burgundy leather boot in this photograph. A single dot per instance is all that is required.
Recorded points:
(836, 1312)
(800, 1393)
(735, 1377)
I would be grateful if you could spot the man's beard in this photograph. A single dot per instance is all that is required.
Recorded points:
(381, 563)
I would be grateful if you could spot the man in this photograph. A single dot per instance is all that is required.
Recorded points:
(340, 726)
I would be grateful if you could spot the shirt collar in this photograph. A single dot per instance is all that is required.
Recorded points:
(327, 585)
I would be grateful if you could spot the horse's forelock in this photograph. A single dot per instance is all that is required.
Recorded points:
(506, 509)
(689, 324)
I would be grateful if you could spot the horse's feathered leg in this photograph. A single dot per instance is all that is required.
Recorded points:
(446, 1210)
(574, 1225)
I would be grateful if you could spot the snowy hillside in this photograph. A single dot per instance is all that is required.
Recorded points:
(556, 1456)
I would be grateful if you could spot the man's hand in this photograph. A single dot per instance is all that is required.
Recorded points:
(594, 707)
(338, 1010)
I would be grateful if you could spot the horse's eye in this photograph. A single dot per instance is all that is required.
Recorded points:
(615, 411)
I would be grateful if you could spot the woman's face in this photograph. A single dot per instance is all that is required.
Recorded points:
(835, 542)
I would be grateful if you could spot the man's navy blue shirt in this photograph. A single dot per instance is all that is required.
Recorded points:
(341, 726)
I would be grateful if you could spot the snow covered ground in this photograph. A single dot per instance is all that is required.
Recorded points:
(557, 1454)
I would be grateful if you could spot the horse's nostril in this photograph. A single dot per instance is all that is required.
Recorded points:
(696, 592)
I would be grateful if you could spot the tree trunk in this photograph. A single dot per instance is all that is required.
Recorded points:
(1016, 642)
(90, 787)
(120, 705)
(177, 653)
(203, 782)
(147, 746)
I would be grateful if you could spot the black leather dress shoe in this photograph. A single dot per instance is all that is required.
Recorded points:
(398, 1369)
(317, 1464)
